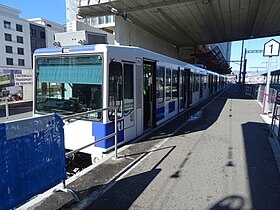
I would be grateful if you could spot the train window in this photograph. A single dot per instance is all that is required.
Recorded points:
(191, 81)
(197, 81)
(68, 85)
(181, 82)
(128, 89)
(201, 81)
(194, 82)
(174, 84)
(205, 81)
(160, 84)
(115, 87)
(168, 84)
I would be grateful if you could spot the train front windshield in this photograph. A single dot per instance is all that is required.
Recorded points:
(68, 85)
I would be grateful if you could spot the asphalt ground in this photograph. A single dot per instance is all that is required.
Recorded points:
(16, 110)
(217, 156)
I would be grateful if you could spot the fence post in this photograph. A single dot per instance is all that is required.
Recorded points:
(116, 134)
(7, 108)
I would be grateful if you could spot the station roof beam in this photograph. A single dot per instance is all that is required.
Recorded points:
(195, 22)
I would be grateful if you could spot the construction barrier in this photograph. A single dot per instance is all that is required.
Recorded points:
(32, 158)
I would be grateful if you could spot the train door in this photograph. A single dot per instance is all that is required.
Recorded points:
(187, 90)
(201, 85)
(128, 100)
(215, 83)
(181, 90)
(210, 84)
(149, 96)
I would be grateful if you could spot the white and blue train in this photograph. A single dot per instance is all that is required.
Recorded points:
(149, 88)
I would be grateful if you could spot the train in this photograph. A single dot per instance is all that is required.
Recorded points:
(149, 89)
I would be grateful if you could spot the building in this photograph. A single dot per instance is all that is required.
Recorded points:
(105, 23)
(18, 40)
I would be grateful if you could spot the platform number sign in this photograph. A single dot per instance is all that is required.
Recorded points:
(271, 48)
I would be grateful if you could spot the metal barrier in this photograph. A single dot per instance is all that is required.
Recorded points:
(32, 158)
(115, 134)
(262, 96)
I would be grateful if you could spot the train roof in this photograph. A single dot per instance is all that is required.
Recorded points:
(107, 47)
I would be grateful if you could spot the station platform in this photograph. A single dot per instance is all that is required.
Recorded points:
(216, 156)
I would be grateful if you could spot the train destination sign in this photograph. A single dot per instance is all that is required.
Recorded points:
(271, 48)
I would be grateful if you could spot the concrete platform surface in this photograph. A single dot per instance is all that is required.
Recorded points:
(217, 156)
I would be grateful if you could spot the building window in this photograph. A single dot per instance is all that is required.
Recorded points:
(110, 19)
(9, 49)
(49, 25)
(9, 61)
(21, 62)
(8, 37)
(7, 24)
(20, 51)
(19, 39)
(19, 27)
(33, 33)
(101, 20)
(42, 35)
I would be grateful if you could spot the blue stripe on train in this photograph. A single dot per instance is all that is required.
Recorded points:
(100, 130)
(160, 113)
(171, 106)
(48, 50)
(82, 48)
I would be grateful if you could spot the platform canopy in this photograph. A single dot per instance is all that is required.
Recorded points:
(195, 22)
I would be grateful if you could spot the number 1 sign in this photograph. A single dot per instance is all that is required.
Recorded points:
(271, 48)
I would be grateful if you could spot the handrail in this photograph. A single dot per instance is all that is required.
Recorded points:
(88, 112)
(99, 140)
(64, 189)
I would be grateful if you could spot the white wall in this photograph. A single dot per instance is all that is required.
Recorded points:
(127, 33)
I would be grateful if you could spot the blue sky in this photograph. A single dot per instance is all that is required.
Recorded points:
(53, 10)
(255, 61)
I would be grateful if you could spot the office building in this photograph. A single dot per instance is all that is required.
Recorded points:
(18, 41)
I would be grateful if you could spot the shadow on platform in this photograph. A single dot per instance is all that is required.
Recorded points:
(263, 174)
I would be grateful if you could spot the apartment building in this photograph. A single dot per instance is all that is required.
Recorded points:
(18, 40)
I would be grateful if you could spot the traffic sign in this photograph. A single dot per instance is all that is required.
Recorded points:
(271, 48)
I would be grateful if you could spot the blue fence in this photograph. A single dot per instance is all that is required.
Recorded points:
(32, 158)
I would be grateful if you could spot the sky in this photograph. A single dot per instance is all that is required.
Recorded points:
(55, 10)
(256, 63)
